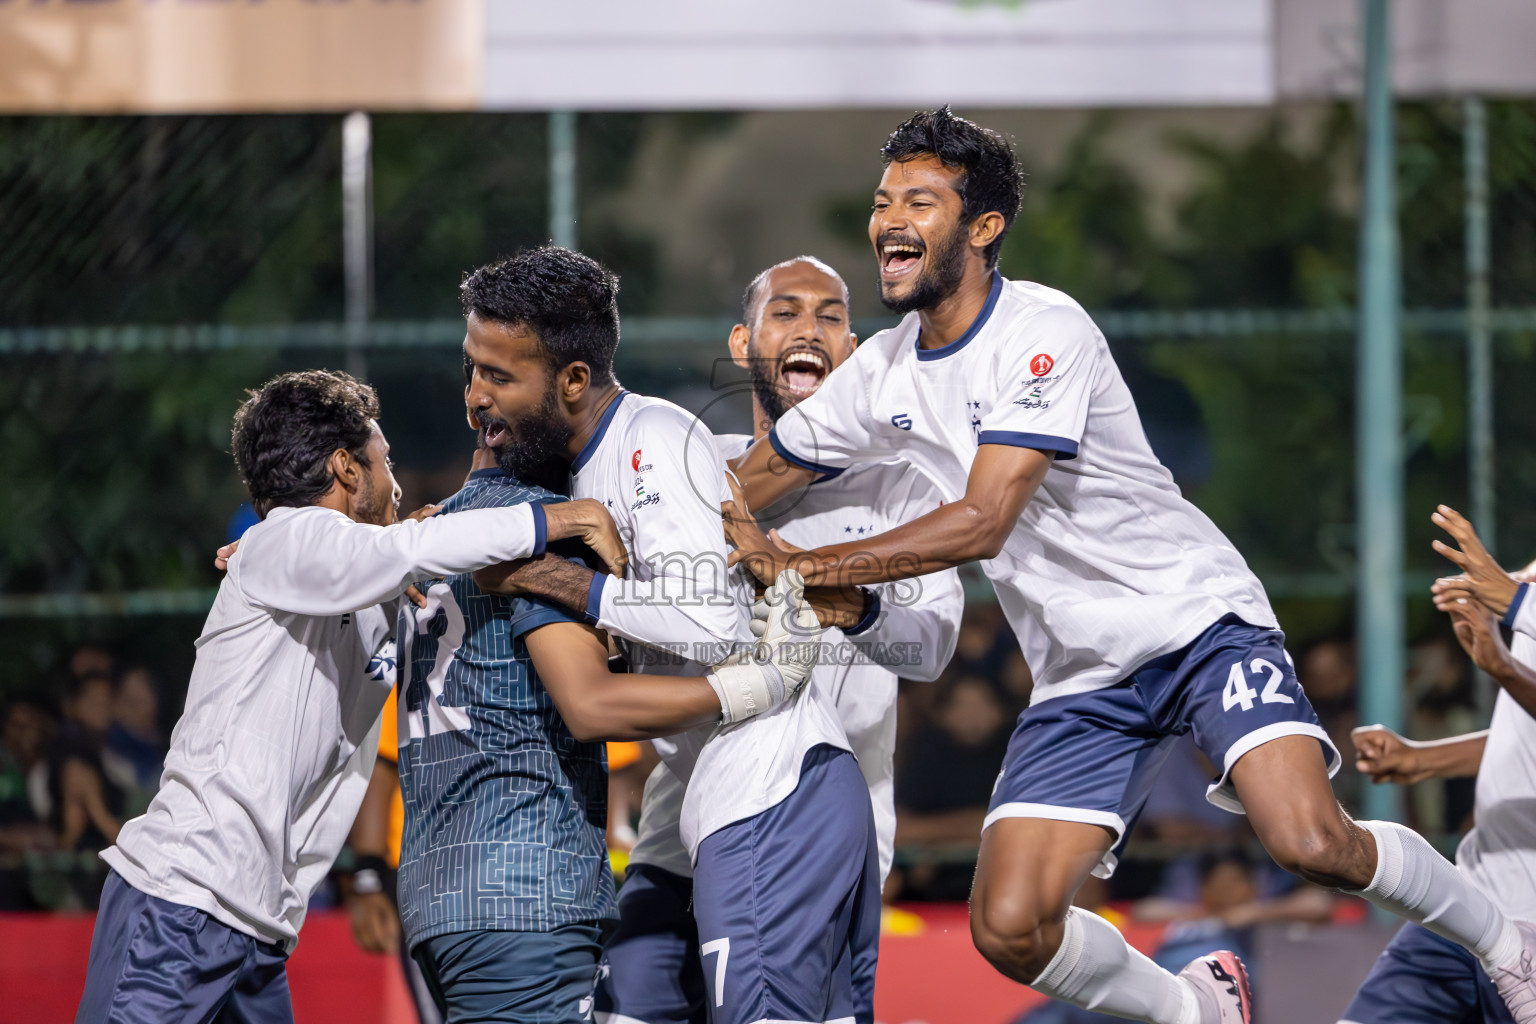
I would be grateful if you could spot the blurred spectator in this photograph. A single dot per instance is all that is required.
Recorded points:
(134, 754)
(945, 780)
(983, 641)
(1439, 684)
(1177, 811)
(24, 740)
(87, 806)
(1327, 674)
(91, 660)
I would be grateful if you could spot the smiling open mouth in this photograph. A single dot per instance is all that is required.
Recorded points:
(801, 372)
(897, 259)
(493, 432)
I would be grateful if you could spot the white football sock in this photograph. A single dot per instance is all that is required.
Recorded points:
(1096, 969)
(1413, 881)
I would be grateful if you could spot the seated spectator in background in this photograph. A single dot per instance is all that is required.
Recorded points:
(944, 781)
(1326, 672)
(1442, 704)
(87, 806)
(134, 755)
(91, 660)
(25, 737)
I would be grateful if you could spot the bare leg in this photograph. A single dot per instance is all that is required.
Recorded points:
(1026, 875)
(1023, 921)
(1284, 787)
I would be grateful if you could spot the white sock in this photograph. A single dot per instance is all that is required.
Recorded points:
(1413, 881)
(1096, 969)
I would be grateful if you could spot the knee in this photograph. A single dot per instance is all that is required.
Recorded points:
(1016, 937)
(1330, 854)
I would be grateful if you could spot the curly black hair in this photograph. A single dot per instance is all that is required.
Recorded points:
(992, 180)
(287, 429)
(568, 300)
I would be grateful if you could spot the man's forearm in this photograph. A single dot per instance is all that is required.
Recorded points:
(949, 536)
(553, 579)
(1453, 758)
(765, 476)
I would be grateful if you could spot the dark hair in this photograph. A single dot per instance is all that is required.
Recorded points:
(568, 300)
(286, 431)
(992, 179)
(1210, 860)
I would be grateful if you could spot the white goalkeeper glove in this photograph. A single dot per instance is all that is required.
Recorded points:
(776, 669)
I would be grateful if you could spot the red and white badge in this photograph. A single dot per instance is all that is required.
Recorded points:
(1040, 365)
(634, 460)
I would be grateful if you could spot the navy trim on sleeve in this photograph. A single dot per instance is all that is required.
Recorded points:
(1064, 448)
(540, 530)
(535, 614)
(870, 615)
(595, 598)
(588, 449)
(790, 457)
(1514, 605)
(925, 354)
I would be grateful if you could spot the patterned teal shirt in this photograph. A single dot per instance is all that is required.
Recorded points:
(505, 811)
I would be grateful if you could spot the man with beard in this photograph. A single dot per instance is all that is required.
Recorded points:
(794, 331)
(272, 755)
(1139, 619)
(775, 816)
(504, 880)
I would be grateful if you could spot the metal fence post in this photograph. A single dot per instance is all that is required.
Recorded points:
(562, 178)
(1379, 423)
(1481, 482)
(357, 235)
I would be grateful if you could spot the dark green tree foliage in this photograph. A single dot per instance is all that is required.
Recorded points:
(117, 473)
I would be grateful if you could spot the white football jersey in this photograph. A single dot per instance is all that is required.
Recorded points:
(658, 470)
(912, 636)
(1499, 854)
(1109, 566)
(271, 757)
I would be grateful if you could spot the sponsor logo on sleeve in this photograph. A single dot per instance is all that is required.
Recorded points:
(1041, 365)
(634, 460)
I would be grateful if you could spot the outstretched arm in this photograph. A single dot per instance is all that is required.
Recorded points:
(572, 662)
(1003, 479)
(1387, 757)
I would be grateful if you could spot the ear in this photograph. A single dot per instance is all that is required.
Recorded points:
(572, 381)
(738, 341)
(346, 471)
(986, 229)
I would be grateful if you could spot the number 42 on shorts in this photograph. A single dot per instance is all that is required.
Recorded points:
(1238, 692)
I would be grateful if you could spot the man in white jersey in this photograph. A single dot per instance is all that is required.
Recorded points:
(775, 816)
(1421, 978)
(271, 757)
(794, 331)
(1138, 618)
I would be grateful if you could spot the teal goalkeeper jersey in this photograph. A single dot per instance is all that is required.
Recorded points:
(505, 811)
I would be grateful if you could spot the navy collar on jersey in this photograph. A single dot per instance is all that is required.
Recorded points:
(485, 474)
(596, 439)
(970, 332)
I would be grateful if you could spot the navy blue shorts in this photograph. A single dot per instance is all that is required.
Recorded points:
(158, 962)
(516, 977)
(650, 972)
(1092, 757)
(1421, 978)
(788, 904)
